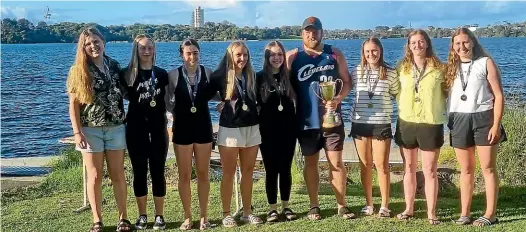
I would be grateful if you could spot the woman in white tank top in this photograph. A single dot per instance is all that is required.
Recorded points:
(475, 108)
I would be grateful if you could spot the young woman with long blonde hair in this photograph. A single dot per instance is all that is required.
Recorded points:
(192, 128)
(422, 114)
(238, 134)
(96, 110)
(475, 108)
(146, 133)
(375, 84)
(278, 128)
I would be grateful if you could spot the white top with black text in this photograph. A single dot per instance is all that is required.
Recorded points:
(478, 96)
(376, 108)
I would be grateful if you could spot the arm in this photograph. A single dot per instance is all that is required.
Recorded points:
(290, 57)
(74, 115)
(394, 82)
(214, 94)
(123, 84)
(169, 96)
(494, 80)
(343, 71)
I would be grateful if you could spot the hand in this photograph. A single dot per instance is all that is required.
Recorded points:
(220, 107)
(331, 105)
(80, 140)
(494, 134)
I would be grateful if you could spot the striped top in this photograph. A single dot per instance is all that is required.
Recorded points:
(378, 108)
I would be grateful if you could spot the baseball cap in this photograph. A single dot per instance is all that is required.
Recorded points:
(312, 22)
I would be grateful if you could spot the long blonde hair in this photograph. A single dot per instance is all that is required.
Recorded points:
(227, 67)
(431, 58)
(283, 73)
(80, 82)
(133, 66)
(453, 59)
(382, 73)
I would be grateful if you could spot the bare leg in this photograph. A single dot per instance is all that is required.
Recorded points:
(115, 163)
(202, 160)
(94, 163)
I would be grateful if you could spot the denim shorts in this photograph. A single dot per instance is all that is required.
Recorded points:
(104, 138)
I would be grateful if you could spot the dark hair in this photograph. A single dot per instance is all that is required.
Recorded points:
(188, 42)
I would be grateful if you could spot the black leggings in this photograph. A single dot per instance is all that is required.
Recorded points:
(277, 153)
(148, 146)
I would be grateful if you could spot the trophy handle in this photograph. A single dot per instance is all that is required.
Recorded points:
(341, 87)
(315, 91)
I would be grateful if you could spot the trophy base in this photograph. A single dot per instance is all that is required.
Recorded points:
(331, 120)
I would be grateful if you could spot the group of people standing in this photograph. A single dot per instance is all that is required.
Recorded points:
(275, 108)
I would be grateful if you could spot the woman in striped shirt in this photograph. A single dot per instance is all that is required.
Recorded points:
(371, 120)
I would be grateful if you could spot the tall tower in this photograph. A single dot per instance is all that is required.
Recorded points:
(198, 17)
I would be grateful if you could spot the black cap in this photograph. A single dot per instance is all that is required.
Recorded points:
(312, 22)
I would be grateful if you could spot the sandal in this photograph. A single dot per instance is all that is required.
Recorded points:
(384, 212)
(229, 222)
(346, 213)
(483, 221)
(463, 220)
(433, 221)
(252, 219)
(272, 216)
(314, 213)
(124, 225)
(205, 226)
(96, 227)
(404, 216)
(289, 214)
(186, 225)
(367, 210)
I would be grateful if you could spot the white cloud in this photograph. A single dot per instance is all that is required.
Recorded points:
(212, 4)
(276, 14)
(14, 12)
(495, 7)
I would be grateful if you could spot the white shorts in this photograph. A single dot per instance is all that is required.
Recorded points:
(239, 137)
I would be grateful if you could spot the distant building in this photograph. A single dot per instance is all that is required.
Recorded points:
(198, 17)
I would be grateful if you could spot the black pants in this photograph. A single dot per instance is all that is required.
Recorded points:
(147, 146)
(277, 152)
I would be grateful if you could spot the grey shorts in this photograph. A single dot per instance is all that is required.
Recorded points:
(239, 137)
(470, 129)
(104, 138)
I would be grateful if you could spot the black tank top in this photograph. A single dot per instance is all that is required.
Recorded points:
(184, 119)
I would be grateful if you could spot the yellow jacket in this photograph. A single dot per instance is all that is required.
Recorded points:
(431, 109)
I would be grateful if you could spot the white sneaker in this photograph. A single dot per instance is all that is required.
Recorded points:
(367, 210)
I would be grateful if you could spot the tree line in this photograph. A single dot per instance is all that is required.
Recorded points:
(24, 31)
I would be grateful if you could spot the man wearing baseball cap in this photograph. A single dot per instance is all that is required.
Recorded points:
(311, 64)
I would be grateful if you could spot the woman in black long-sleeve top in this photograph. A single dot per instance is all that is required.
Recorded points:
(276, 124)
(238, 134)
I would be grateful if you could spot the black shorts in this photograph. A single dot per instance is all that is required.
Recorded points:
(376, 131)
(470, 129)
(313, 140)
(412, 135)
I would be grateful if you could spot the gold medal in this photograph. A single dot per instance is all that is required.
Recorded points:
(153, 103)
(370, 105)
(193, 109)
(280, 107)
(417, 99)
(245, 107)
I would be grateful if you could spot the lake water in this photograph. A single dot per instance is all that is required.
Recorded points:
(34, 103)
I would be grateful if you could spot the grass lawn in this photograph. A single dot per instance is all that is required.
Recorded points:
(49, 207)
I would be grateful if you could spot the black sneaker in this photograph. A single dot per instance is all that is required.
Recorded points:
(141, 223)
(159, 223)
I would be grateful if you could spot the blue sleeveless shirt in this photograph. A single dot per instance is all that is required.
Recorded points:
(307, 70)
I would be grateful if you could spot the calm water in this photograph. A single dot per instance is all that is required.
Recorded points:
(35, 105)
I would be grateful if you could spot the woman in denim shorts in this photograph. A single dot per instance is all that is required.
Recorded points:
(96, 111)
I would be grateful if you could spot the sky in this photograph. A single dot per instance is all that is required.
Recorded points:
(274, 13)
